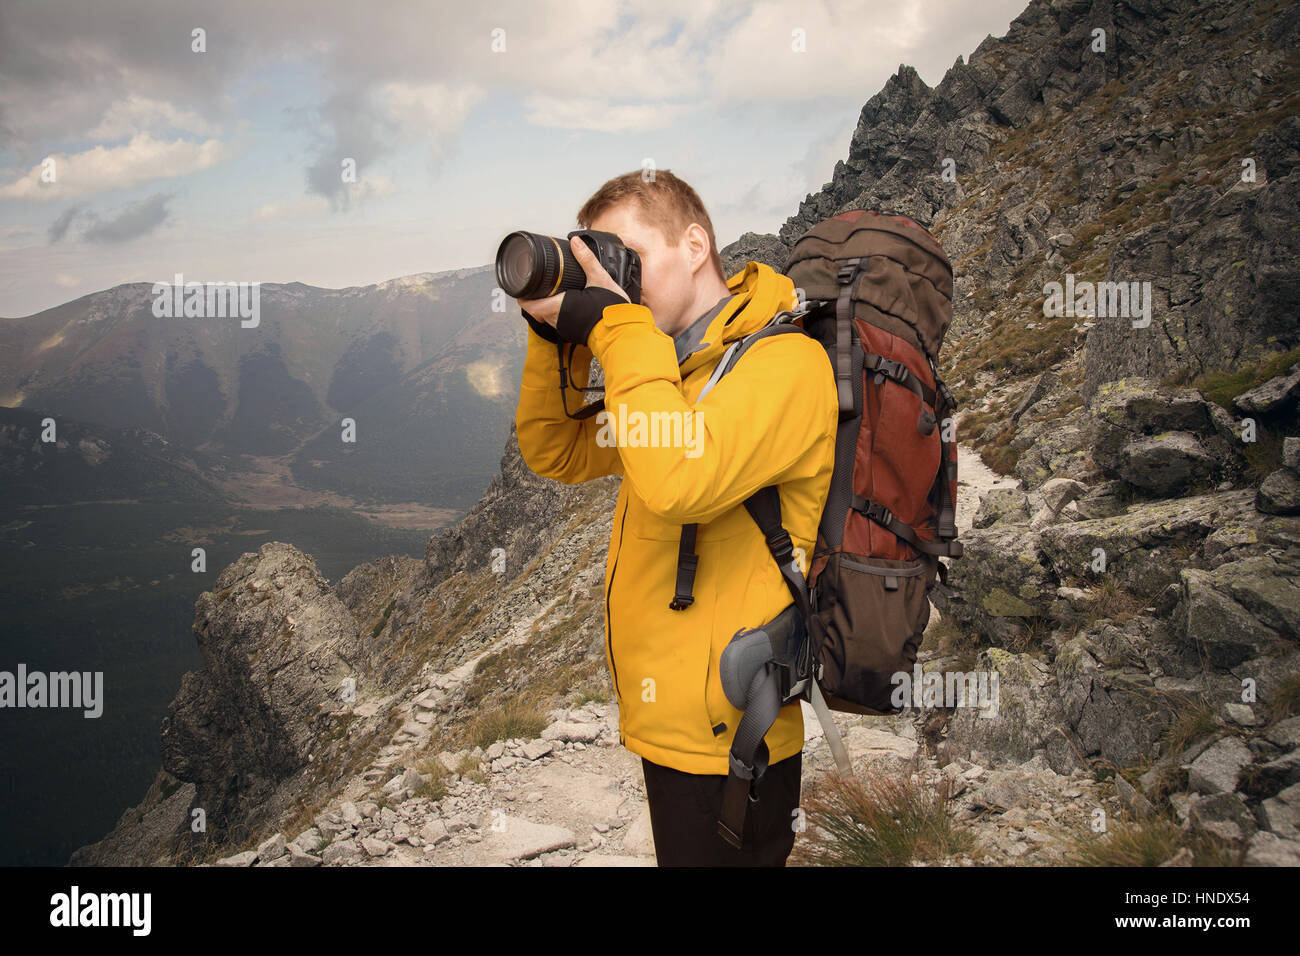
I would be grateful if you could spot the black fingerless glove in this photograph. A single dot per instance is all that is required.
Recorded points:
(541, 328)
(581, 310)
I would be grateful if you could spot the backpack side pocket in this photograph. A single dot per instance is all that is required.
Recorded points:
(870, 619)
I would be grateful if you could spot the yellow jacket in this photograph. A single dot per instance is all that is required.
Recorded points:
(771, 419)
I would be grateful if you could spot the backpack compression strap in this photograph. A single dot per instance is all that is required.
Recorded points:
(846, 277)
(886, 519)
(946, 524)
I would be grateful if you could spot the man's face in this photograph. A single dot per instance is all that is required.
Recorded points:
(667, 282)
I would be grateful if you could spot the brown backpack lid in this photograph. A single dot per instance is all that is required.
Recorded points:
(905, 284)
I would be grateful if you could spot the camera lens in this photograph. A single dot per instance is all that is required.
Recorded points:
(516, 264)
(532, 266)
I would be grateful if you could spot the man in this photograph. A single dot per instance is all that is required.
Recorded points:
(771, 420)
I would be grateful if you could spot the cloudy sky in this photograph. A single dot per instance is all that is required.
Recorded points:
(462, 121)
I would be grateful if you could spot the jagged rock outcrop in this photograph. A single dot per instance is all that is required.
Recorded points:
(754, 247)
(1169, 158)
(276, 646)
(265, 721)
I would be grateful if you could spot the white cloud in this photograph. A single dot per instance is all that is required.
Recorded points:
(15, 233)
(785, 52)
(104, 168)
(851, 46)
(294, 209)
(431, 113)
(598, 114)
(370, 187)
(137, 114)
(429, 108)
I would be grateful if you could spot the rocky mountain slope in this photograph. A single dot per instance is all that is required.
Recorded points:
(1132, 566)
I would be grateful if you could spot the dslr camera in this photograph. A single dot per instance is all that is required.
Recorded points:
(533, 266)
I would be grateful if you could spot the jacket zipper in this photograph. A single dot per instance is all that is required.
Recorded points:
(609, 611)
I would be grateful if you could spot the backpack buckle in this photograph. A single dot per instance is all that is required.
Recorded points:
(848, 269)
(946, 392)
(781, 546)
(878, 512)
(897, 370)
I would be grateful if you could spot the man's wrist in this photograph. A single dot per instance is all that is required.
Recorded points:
(540, 327)
(581, 310)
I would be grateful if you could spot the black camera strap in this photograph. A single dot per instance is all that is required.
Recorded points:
(566, 376)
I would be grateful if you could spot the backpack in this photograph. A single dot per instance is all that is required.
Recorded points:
(876, 291)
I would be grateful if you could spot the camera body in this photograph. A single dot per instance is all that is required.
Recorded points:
(531, 265)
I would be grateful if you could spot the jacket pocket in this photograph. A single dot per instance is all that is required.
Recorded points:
(870, 618)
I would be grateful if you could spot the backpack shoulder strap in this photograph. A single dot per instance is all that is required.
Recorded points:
(739, 348)
(687, 559)
(764, 506)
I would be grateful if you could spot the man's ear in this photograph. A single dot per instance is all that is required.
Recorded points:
(698, 250)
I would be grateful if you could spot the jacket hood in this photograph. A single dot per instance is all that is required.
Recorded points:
(758, 293)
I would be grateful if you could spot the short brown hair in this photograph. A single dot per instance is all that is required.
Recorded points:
(665, 201)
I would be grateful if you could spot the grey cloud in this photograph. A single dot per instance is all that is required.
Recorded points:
(133, 221)
(352, 129)
(63, 63)
(59, 228)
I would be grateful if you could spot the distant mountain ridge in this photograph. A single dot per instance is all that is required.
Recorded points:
(316, 357)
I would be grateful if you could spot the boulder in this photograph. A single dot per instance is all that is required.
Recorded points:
(1135, 542)
(1274, 396)
(1002, 504)
(271, 849)
(514, 838)
(1285, 733)
(1104, 500)
(1279, 493)
(1281, 814)
(999, 585)
(1219, 767)
(1291, 454)
(1055, 493)
(1265, 586)
(572, 732)
(1268, 849)
(341, 852)
(1165, 464)
(1057, 448)
(1134, 407)
(247, 858)
(1223, 815)
(1211, 617)
(301, 858)
(1116, 714)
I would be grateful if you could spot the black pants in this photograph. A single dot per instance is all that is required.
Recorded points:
(684, 810)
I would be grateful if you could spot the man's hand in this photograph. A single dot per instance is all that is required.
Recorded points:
(548, 309)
